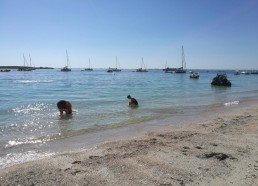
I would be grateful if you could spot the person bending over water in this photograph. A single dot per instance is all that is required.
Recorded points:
(64, 106)
(132, 102)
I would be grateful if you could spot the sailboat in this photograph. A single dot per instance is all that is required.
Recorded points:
(182, 69)
(32, 68)
(89, 68)
(141, 69)
(114, 69)
(168, 69)
(24, 68)
(66, 68)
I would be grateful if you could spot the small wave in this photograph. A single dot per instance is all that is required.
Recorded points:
(33, 81)
(16, 158)
(31, 108)
(231, 103)
(12, 143)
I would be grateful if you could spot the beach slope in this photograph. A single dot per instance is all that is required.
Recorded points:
(223, 151)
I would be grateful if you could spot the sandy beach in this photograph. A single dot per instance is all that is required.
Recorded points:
(222, 151)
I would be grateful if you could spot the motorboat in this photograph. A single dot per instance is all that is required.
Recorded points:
(221, 80)
(194, 75)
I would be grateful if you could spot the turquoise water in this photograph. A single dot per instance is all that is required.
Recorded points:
(28, 113)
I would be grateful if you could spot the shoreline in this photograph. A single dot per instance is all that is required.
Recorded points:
(32, 151)
(220, 151)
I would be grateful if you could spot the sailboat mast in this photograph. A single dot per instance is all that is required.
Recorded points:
(116, 61)
(183, 58)
(24, 61)
(67, 59)
(30, 60)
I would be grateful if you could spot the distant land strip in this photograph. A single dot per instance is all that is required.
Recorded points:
(23, 67)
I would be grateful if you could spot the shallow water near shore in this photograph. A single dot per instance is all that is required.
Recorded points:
(30, 125)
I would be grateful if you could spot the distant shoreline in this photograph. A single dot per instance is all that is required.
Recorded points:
(20, 67)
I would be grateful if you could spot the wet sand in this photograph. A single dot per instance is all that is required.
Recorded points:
(221, 151)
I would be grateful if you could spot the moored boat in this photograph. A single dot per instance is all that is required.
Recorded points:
(245, 73)
(237, 72)
(89, 68)
(194, 75)
(221, 80)
(254, 72)
(67, 67)
(5, 70)
(25, 67)
(142, 69)
(182, 68)
(110, 70)
(169, 70)
(114, 69)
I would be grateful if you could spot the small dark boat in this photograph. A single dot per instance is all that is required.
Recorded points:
(254, 72)
(169, 70)
(109, 70)
(221, 80)
(237, 72)
(5, 70)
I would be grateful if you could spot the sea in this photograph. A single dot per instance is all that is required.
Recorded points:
(32, 128)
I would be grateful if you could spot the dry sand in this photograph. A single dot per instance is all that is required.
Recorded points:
(223, 151)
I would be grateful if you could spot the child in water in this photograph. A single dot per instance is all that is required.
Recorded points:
(64, 106)
(132, 102)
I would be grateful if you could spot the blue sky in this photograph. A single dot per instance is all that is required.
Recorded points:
(221, 34)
